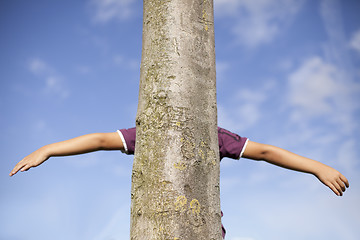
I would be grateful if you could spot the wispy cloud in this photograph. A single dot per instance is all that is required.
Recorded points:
(83, 69)
(53, 82)
(323, 95)
(355, 41)
(38, 66)
(247, 107)
(258, 22)
(325, 87)
(318, 89)
(323, 114)
(312, 88)
(120, 60)
(107, 10)
(221, 69)
(348, 156)
(111, 229)
(336, 47)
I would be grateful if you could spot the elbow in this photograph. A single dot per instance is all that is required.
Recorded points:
(266, 153)
(100, 140)
(258, 151)
(260, 156)
(109, 141)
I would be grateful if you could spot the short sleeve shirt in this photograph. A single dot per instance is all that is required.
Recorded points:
(231, 145)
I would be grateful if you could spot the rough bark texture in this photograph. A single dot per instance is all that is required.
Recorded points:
(175, 178)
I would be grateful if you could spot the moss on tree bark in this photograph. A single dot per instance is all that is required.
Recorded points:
(175, 178)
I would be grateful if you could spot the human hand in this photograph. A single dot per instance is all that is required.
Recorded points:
(32, 160)
(333, 179)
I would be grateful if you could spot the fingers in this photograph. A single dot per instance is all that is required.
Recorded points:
(339, 185)
(25, 168)
(339, 189)
(20, 166)
(17, 167)
(335, 189)
(344, 180)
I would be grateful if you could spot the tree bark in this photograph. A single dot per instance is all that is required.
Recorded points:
(175, 178)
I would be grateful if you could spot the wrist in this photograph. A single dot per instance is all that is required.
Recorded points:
(46, 151)
(318, 169)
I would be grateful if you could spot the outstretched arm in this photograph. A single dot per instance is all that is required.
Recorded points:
(79, 145)
(283, 158)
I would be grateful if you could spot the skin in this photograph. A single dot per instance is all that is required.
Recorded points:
(255, 151)
(286, 159)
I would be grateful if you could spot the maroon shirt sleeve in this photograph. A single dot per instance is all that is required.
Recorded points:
(128, 137)
(231, 145)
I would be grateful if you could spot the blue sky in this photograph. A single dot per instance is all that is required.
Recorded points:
(287, 74)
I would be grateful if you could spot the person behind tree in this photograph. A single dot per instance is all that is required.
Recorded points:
(231, 145)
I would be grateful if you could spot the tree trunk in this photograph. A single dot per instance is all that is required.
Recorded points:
(175, 178)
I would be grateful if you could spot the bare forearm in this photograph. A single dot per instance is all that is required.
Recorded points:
(84, 144)
(281, 157)
(289, 160)
(78, 145)
(326, 174)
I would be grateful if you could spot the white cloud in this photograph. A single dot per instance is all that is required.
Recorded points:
(336, 47)
(40, 125)
(247, 108)
(54, 85)
(242, 117)
(285, 65)
(82, 69)
(119, 60)
(355, 41)
(258, 22)
(111, 229)
(224, 7)
(107, 10)
(37, 66)
(312, 86)
(132, 64)
(318, 89)
(347, 156)
(221, 68)
(121, 171)
(53, 82)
